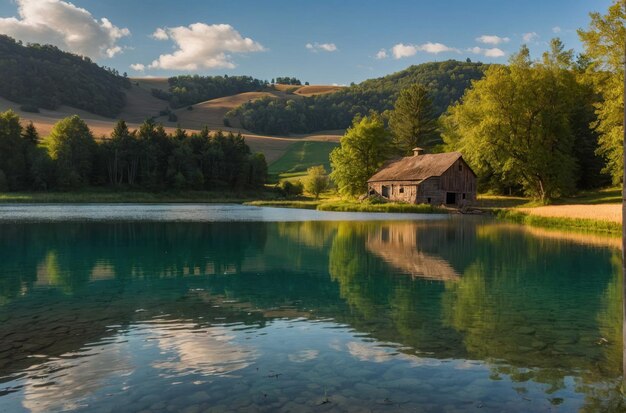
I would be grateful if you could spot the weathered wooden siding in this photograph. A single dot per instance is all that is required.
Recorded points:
(458, 179)
(403, 191)
(429, 192)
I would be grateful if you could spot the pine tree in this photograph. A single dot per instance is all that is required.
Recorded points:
(412, 121)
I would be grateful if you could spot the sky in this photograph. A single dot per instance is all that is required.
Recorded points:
(321, 41)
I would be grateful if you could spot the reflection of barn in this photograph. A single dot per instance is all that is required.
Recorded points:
(399, 246)
(443, 178)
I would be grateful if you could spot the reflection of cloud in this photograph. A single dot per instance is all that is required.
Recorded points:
(375, 353)
(303, 355)
(365, 352)
(207, 352)
(73, 378)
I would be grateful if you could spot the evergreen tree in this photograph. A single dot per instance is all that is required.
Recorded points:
(412, 120)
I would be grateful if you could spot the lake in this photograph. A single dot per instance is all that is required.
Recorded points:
(195, 308)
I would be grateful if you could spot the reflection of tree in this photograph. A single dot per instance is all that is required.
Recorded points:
(532, 304)
(609, 396)
(69, 255)
(350, 265)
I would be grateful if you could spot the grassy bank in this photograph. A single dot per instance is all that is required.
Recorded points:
(559, 222)
(342, 205)
(97, 196)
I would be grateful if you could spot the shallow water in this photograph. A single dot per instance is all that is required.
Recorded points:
(229, 308)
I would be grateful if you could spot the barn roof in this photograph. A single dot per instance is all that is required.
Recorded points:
(415, 168)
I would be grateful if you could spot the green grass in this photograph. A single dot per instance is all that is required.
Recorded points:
(559, 223)
(602, 196)
(596, 197)
(108, 196)
(300, 156)
(342, 205)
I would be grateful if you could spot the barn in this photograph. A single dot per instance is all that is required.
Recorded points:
(437, 179)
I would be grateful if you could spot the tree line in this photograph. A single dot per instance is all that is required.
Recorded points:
(188, 90)
(42, 76)
(286, 80)
(148, 158)
(446, 81)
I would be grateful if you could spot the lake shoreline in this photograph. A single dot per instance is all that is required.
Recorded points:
(272, 199)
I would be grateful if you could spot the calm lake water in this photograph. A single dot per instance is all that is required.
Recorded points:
(198, 308)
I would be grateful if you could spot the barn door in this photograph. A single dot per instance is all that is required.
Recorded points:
(450, 198)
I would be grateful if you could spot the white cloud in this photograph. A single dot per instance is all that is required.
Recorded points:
(138, 67)
(530, 36)
(203, 46)
(325, 47)
(492, 52)
(492, 39)
(382, 54)
(160, 34)
(406, 50)
(556, 29)
(403, 50)
(65, 25)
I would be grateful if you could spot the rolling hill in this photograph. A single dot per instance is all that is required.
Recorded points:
(446, 81)
(43, 84)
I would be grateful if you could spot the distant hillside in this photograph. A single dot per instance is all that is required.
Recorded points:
(188, 90)
(447, 82)
(42, 76)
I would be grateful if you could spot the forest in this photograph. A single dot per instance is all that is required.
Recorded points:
(42, 76)
(188, 90)
(446, 80)
(148, 158)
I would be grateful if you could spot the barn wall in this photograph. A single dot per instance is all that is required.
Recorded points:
(429, 192)
(433, 190)
(403, 191)
(460, 179)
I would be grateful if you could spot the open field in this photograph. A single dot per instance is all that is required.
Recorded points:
(313, 90)
(307, 90)
(211, 113)
(300, 156)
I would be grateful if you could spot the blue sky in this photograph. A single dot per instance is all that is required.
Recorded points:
(348, 41)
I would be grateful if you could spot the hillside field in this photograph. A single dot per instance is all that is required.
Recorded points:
(300, 156)
(141, 104)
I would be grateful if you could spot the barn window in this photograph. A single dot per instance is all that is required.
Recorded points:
(429, 200)
(401, 189)
(460, 167)
(463, 196)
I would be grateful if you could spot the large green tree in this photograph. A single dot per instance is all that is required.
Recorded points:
(412, 120)
(605, 42)
(515, 123)
(362, 151)
(71, 145)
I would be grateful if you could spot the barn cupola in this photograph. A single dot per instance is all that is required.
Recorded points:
(418, 151)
